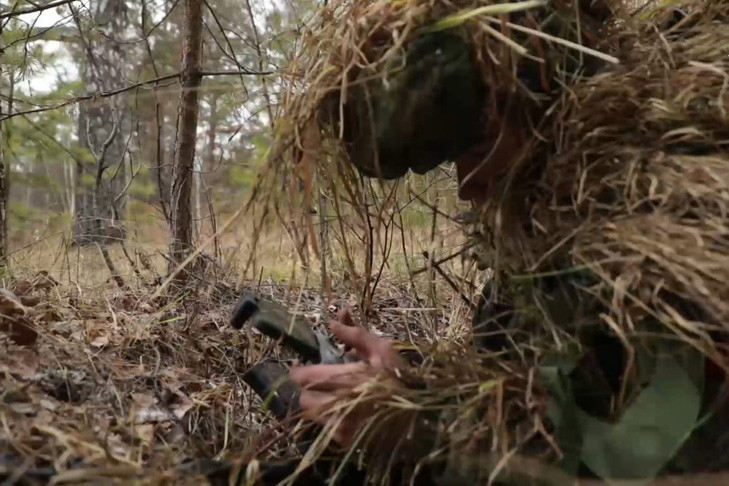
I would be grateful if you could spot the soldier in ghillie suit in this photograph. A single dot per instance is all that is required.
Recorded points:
(595, 145)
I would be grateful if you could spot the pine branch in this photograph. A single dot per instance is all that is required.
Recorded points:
(108, 94)
(37, 8)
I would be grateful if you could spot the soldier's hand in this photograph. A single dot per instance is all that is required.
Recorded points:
(322, 384)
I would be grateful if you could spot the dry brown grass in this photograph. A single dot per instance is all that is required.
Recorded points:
(107, 385)
(110, 385)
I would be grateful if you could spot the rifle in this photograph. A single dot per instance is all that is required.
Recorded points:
(269, 378)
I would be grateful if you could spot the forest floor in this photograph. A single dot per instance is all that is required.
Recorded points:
(109, 385)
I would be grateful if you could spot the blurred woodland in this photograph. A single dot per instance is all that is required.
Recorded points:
(96, 147)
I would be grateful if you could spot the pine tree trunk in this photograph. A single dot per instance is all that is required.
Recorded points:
(190, 80)
(3, 182)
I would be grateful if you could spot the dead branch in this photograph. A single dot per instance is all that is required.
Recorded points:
(110, 265)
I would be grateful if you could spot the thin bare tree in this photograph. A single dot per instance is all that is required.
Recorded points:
(103, 126)
(3, 178)
(190, 80)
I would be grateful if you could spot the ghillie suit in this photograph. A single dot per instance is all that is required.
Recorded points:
(602, 345)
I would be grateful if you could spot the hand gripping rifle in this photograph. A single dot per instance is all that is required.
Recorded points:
(269, 379)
